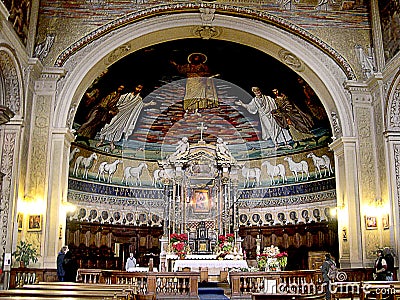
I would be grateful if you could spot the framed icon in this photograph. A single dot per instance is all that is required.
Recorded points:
(201, 201)
(370, 222)
(385, 221)
(35, 223)
(20, 221)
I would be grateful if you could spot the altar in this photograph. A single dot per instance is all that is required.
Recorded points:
(215, 266)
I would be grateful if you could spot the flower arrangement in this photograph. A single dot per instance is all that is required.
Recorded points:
(225, 242)
(282, 259)
(272, 259)
(178, 244)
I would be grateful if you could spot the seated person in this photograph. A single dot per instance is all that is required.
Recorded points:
(130, 263)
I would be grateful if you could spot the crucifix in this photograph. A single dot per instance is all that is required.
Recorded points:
(202, 129)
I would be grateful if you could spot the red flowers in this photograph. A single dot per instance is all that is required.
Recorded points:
(281, 254)
(175, 237)
(178, 243)
(226, 238)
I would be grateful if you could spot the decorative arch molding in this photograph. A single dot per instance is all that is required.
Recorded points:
(223, 9)
(87, 61)
(393, 108)
(11, 78)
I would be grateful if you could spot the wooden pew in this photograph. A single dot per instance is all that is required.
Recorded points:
(75, 286)
(61, 294)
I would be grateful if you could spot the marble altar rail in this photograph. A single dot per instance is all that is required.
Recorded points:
(304, 282)
(174, 285)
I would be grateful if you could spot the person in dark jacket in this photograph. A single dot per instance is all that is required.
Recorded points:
(70, 267)
(380, 267)
(60, 260)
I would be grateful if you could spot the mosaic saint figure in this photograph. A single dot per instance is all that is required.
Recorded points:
(200, 89)
(264, 106)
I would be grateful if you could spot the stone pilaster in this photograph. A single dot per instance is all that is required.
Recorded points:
(367, 118)
(60, 143)
(348, 202)
(392, 146)
(45, 153)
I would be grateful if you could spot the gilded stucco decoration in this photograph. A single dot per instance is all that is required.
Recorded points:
(43, 48)
(224, 8)
(71, 114)
(207, 30)
(394, 115)
(39, 146)
(366, 151)
(397, 170)
(291, 60)
(7, 159)
(118, 53)
(337, 130)
(11, 83)
(11, 99)
(366, 61)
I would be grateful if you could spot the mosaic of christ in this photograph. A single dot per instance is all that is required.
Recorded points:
(145, 104)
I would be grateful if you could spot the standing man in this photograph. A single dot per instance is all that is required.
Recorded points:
(100, 115)
(123, 123)
(130, 263)
(270, 129)
(380, 266)
(326, 265)
(289, 116)
(60, 260)
(200, 89)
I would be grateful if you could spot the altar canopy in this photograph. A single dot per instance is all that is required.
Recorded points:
(201, 192)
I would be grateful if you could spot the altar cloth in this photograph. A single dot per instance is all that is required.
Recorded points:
(215, 266)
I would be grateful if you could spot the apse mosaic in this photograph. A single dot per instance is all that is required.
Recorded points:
(143, 110)
(390, 22)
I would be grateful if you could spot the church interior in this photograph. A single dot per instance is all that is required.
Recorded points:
(228, 143)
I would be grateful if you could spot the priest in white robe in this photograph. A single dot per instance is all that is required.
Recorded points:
(263, 105)
(123, 123)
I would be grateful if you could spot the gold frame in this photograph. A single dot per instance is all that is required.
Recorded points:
(35, 222)
(203, 196)
(20, 221)
(371, 222)
(385, 221)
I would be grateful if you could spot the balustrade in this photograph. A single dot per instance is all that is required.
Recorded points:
(305, 282)
(164, 284)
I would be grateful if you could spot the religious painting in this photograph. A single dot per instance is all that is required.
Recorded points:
(35, 223)
(389, 11)
(19, 17)
(20, 219)
(385, 221)
(371, 222)
(201, 201)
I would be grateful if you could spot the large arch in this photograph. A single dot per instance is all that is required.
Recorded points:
(325, 75)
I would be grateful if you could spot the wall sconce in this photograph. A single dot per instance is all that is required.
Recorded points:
(344, 234)
(60, 232)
